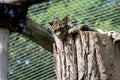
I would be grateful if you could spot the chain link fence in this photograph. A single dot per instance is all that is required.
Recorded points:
(29, 61)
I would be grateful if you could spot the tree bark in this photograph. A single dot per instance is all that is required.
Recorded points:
(4, 39)
(87, 56)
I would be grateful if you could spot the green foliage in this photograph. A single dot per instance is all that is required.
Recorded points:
(102, 24)
(84, 11)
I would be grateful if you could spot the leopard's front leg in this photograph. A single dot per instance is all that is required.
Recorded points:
(82, 27)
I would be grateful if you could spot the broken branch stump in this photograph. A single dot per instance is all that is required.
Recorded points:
(87, 56)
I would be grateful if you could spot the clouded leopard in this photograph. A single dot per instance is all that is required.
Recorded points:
(61, 28)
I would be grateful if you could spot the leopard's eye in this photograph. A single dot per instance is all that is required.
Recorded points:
(66, 27)
(54, 31)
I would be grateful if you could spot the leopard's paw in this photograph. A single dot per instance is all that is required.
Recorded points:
(115, 36)
(73, 30)
(116, 39)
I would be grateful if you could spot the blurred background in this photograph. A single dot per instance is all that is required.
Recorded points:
(30, 61)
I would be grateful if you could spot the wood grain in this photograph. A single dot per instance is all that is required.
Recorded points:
(87, 56)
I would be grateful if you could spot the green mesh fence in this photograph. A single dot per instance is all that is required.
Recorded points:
(29, 61)
(102, 14)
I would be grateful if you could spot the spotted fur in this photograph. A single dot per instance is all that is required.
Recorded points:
(60, 27)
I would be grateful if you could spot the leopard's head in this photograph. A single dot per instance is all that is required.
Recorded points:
(60, 27)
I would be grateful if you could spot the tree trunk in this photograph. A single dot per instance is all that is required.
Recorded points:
(87, 56)
(4, 38)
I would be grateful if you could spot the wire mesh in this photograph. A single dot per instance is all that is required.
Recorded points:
(29, 61)
(96, 13)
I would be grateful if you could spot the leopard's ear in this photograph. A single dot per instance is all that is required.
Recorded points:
(50, 23)
(65, 19)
